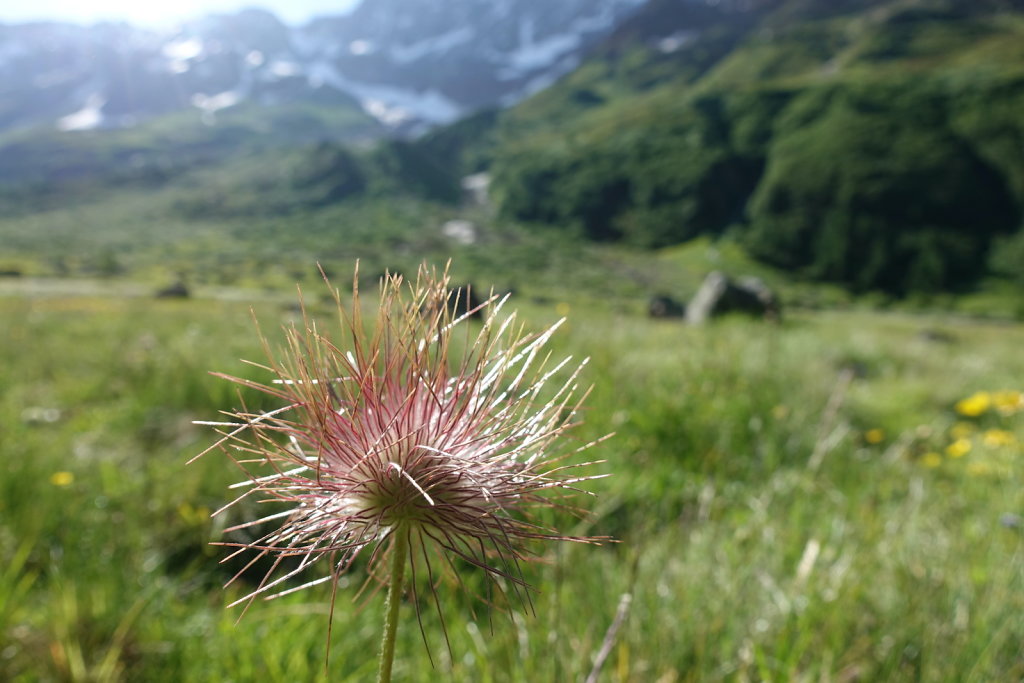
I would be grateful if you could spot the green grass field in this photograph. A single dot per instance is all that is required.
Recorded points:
(835, 498)
(799, 501)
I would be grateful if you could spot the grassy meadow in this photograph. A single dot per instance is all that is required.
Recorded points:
(809, 501)
(837, 497)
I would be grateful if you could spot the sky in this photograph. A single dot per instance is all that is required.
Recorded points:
(155, 13)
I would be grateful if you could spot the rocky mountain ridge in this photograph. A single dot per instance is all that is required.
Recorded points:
(407, 63)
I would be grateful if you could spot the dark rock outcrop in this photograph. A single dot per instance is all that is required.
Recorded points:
(179, 290)
(664, 306)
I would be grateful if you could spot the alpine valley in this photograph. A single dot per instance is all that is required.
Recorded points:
(404, 63)
(874, 144)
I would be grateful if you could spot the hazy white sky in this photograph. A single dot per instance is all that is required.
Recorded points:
(157, 12)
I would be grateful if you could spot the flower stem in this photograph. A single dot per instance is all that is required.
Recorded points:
(394, 599)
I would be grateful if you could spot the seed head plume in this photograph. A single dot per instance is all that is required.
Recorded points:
(424, 429)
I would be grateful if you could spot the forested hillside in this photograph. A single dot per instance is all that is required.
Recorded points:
(878, 144)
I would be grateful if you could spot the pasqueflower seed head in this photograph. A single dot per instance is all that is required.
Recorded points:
(424, 428)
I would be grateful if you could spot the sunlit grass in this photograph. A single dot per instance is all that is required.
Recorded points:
(763, 535)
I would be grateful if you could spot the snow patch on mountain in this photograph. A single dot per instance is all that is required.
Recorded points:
(542, 81)
(676, 41)
(183, 49)
(431, 46)
(87, 118)
(362, 47)
(284, 68)
(214, 103)
(532, 56)
(391, 105)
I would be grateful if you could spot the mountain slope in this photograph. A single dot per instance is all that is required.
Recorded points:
(871, 143)
(405, 62)
(467, 54)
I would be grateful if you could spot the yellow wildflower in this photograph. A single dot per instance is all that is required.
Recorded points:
(62, 478)
(1008, 402)
(994, 438)
(931, 459)
(874, 436)
(780, 412)
(974, 405)
(193, 515)
(958, 448)
(962, 430)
